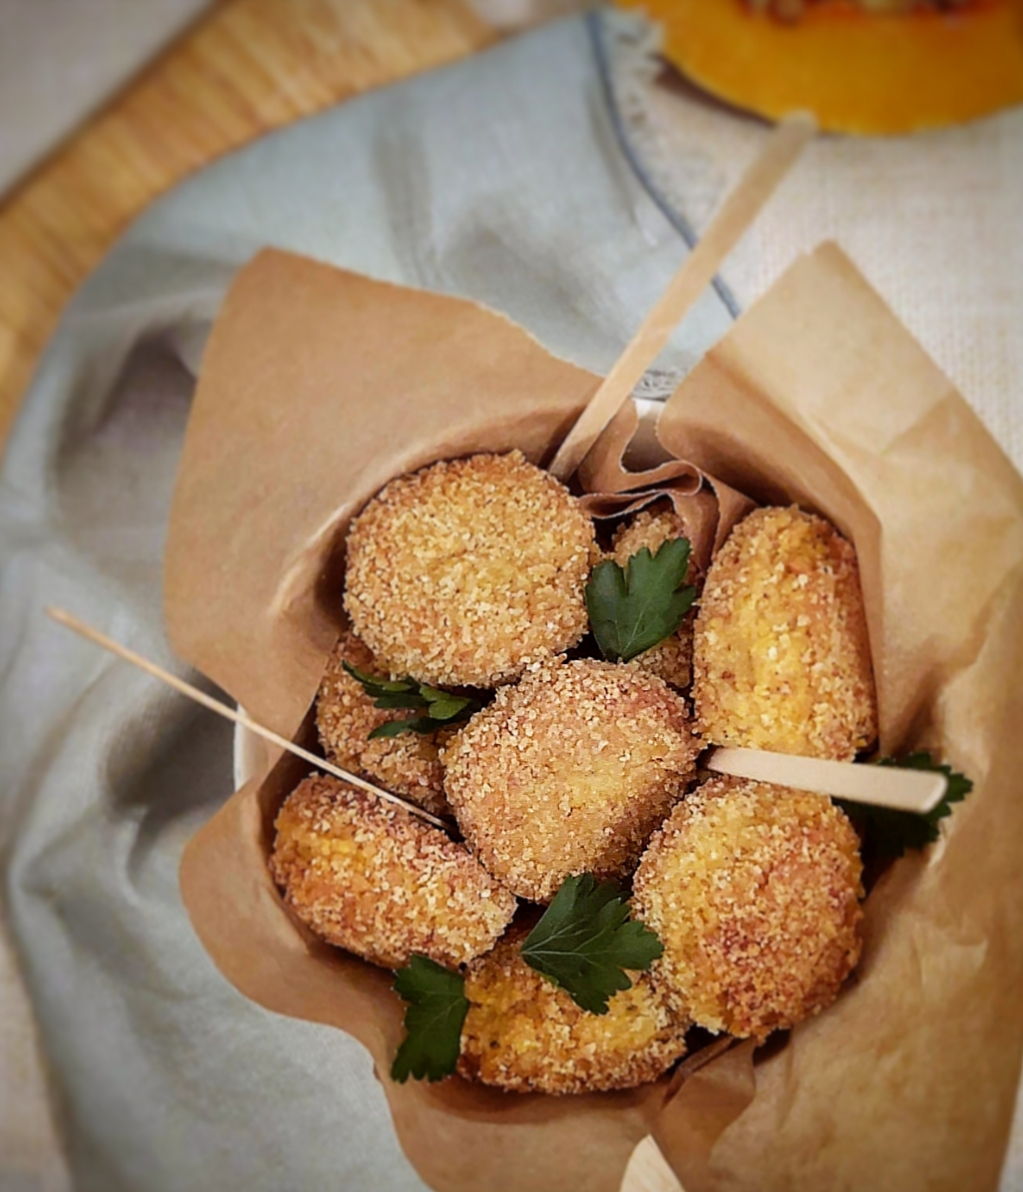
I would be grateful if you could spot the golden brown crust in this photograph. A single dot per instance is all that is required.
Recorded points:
(569, 772)
(781, 658)
(524, 1034)
(372, 878)
(671, 660)
(466, 572)
(408, 765)
(754, 892)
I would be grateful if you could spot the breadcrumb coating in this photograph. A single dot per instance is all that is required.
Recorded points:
(466, 572)
(754, 892)
(408, 765)
(524, 1034)
(671, 660)
(372, 878)
(781, 658)
(569, 772)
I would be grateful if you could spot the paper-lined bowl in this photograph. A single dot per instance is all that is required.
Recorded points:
(318, 386)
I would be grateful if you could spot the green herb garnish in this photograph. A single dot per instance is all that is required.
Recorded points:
(585, 939)
(436, 1008)
(889, 833)
(440, 708)
(635, 607)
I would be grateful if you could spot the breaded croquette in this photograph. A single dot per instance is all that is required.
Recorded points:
(464, 573)
(408, 764)
(524, 1034)
(672, 658)
(372, 878)
(569, 772)
(754, 892)
(781, 658)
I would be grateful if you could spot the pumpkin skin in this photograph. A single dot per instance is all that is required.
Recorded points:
(857, 72)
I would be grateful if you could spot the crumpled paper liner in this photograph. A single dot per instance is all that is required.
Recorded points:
(707, 507)
(318, 386)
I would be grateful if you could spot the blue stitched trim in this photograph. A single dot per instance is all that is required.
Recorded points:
(678, 221)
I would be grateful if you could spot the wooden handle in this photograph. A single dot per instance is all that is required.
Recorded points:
(881, 786)
(738, 211)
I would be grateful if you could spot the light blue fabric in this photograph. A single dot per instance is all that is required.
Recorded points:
(499, 179)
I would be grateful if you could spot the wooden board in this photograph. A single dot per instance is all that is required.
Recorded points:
(248, 67)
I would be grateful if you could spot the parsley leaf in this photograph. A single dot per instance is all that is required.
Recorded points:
(634, 608)
(889, 833)
(403, 692)
(445, 706)
(416, 724)
(439, 708)
(585, 939)
(436, 1008)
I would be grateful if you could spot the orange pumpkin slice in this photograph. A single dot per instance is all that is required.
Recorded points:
(858, 72)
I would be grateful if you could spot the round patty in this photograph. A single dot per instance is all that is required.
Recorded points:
(524, 1034)
(754, 892)
(466, 572)
(372, 878)
(569, 772)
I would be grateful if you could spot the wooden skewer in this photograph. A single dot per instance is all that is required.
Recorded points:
(735, 215)
(881, 786)
(214, 705)
(907, 790)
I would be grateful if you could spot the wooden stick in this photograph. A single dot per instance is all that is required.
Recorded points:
(735, 215)
(229, 713)
(881, 786)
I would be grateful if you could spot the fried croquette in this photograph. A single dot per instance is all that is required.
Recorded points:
(671, 659)
(754, 892)
(569, 772)
(370, 877)
(466, 572)
(524, 1034)
(409, 764)
(781, 658)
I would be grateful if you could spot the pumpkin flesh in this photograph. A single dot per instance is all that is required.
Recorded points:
(857, 71)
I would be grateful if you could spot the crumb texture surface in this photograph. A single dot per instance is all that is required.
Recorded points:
(754, 891)
(569, 772)
(524, 1034)
(781, 658)
(466, 572)
(409, 764)
(372, 878)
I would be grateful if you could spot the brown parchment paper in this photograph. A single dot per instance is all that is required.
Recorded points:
(707, 507)
(819, 395)
(318, 386)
